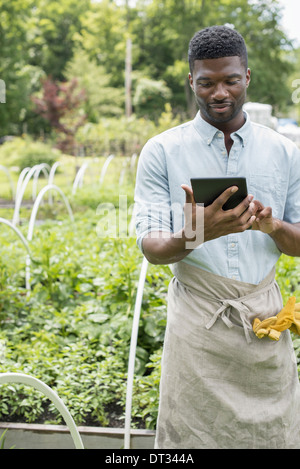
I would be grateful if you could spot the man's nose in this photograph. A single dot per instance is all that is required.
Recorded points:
(220, 92)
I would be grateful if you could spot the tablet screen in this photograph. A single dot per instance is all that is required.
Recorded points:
(206, 190)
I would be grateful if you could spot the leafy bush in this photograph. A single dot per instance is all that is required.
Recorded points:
(23, 152)
(73, 331)
(150, 96)
(115, 135)
(122, 136)
(287, 276)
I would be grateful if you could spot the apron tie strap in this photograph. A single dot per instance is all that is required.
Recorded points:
(224, 313)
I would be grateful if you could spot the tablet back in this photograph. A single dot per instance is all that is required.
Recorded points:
(206, 190)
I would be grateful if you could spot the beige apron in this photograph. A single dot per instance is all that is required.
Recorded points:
(221, 386)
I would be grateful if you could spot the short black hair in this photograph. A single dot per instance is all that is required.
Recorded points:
(215, 42)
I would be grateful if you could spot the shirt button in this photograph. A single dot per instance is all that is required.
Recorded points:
(233, 277)
(220, 135)
(233, 245)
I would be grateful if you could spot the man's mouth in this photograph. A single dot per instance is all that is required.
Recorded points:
(220, 107)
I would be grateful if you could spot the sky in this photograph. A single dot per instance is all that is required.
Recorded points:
(290, 21)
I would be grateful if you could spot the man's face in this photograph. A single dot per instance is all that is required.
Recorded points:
(220, 87)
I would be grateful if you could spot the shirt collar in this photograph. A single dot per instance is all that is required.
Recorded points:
(208, 132)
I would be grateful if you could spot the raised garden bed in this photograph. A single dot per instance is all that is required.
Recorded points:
(39, 436)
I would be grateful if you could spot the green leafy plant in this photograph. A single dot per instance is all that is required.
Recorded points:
(24, 152)
(73, 330)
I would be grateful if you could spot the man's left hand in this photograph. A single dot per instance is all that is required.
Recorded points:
(264, 219)
(285, 235)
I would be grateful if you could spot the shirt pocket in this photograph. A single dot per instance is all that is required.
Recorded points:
(268, 190)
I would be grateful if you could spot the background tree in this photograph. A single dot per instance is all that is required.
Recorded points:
(86, 40)
(54, 29)
(102, 99)
(103, 37)
(60, 104)
(20, 79)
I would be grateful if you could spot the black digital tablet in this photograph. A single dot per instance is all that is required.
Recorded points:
(206, 190)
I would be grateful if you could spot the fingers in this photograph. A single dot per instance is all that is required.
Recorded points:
(193, 221)
(189, 196)
(266, 212)
(242, 217)
(250, 222)
(259, 205)
(239, 209)
(264, 220)
(222, 199)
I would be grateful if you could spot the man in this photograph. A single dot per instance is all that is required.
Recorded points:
(221, 386)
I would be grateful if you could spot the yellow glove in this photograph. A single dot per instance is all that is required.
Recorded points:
(296, 326)
(287, 318)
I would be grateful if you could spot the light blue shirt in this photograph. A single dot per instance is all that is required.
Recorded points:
(270, 163)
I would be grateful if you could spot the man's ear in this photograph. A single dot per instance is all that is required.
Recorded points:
(248, 77)
(191, 81)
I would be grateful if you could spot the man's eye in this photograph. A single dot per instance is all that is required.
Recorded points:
(232, 82)
(205, 85)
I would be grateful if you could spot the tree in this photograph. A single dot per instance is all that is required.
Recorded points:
(60, 106)
(87, 40)
(102, 99)
(103, 37)
(54, 30)
(20, 79)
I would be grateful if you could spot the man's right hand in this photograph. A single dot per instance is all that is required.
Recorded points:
(201, 224)
(217, 222)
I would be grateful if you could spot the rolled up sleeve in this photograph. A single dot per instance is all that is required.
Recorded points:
(292, 207)
(152, 196)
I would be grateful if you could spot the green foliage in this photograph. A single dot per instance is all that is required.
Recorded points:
(287, 276)
(259, 23)
(117, 136)
(53, 28)
(87, 40)
(73, 331)
(24, 152)
(123, 136)
(101, 97)
(103, 37)
(146, 392)
(19, 77)
(150, 96)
